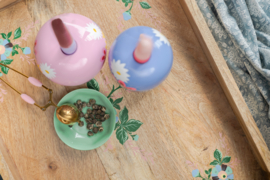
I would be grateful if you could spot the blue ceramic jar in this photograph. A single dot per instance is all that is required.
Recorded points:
(137, 76)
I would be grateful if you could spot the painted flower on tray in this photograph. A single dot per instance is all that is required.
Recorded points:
(196, 173)
(5, 49)
(222, 172)
(26, 50)
(119, 71)
(126, 16)
(161, 37)
(136, 138)
(95, 32)
(47, 71)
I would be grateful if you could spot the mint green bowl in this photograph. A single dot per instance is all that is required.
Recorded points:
(76, 137)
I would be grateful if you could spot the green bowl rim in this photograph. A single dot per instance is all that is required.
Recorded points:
(114, 115)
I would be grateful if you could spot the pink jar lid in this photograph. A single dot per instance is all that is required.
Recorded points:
(80, 67)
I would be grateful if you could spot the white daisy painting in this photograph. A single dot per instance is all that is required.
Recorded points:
(161, 37)
(47, 71)
(119, 71)
(95, 32)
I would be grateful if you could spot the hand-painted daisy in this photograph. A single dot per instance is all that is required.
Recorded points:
(119, 71)
(161, 37)
(95, 32)
(47, 71)
(5, 49)
(222, 172)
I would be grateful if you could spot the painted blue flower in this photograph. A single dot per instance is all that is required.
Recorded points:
(136, 138)
(222, 172)
(196, 173)
(26, 50)
(1, 74)
(5, 49)
(116, 119)
(127, 16)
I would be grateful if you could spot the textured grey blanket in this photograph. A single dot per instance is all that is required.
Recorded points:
(241, 29)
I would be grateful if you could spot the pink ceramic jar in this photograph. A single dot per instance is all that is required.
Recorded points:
(80, 67)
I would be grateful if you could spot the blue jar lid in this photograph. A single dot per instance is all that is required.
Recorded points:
(133, 75)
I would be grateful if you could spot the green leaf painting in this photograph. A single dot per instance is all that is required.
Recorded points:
(133, 136)
(116, 102)
(4, 35)
(145, 5)
(218, 155)
(124, 127)
(93, 84)
(226, 159)
(123, 115)
(214, 163)
(121, 135)
(129, 126)
(127, 1)
(16, 46)
(9, 34)
(17, 33)
(111, 100)
(132, 125)
(14, 52)
(117, 125)
(6, 62)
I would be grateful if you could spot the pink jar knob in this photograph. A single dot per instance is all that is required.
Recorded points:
(143, 51)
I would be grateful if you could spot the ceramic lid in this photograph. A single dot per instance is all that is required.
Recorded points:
(80, 67)
(140, 76)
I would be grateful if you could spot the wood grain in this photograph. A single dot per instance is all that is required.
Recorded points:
(185, 119)
(5, 3)
(8, 168)
(227, 82)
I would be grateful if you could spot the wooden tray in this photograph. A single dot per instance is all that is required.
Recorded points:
(6, 3)
(185, 119)
(227, 82)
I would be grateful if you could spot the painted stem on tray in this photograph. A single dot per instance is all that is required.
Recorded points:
(113, 90)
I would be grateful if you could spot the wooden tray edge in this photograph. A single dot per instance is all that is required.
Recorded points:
(227, 82)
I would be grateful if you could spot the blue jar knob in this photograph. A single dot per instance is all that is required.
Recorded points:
(140, 58)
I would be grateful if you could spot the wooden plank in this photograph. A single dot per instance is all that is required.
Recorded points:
(14, 173)
(227, 82)
(185, 119)
(6, 3)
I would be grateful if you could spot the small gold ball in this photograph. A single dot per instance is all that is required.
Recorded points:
(67, 114)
